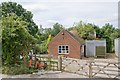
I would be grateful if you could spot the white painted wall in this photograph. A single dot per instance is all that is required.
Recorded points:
(117, 47)
(91, 47)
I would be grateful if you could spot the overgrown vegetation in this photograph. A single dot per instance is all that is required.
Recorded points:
(14, 70)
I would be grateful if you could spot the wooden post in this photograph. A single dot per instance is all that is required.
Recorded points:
(49, 64)
(90, 69)
(59, 63)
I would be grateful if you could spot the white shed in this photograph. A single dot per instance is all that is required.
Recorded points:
(117, 47)
(93, 47)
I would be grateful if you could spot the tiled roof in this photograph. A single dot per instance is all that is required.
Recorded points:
(75, 35)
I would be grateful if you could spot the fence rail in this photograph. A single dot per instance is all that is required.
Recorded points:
(104, 68)
(92, 68)
(52, 63)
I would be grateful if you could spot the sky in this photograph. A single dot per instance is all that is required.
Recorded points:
(68, 12)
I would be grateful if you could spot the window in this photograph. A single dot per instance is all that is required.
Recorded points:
(63, 49)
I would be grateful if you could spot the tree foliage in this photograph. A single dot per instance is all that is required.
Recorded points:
(46, 34)
(13, 7)
(109, 33)
(85, 30)
(56, 29)
(116, 34)
(19, 32)
(15, 38)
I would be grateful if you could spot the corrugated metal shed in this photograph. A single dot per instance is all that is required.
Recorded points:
(117, 47)
(91, 47)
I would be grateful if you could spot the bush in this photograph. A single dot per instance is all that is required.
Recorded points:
(16, 70)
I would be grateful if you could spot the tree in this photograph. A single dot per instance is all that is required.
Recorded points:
(98, 32)
(0, 33)
(15, 39)
(44, 45)
(30, 32)
(85, 30)
(106, 31)
(116, 34)
(46, 35)
(13, 7)
(56, 29)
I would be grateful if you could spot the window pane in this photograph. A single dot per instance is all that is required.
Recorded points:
(59, 51)
(64, 51)
(59, 47)
(63, 47)
(66, 47)
(67, 51)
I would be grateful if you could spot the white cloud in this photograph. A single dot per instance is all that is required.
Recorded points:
(52, 21)
(63, 0)
(66, 12)
(35, 7)
(113, 17)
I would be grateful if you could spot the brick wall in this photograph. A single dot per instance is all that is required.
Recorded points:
(66, 39)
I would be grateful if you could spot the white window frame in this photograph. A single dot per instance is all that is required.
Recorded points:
(65, 49)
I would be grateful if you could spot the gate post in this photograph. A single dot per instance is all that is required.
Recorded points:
(59, 63)
(90, 69)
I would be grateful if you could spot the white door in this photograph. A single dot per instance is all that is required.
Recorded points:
(90, 49)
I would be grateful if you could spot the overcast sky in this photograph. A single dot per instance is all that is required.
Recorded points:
(68, 12)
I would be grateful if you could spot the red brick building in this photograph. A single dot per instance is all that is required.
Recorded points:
(67, 44)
